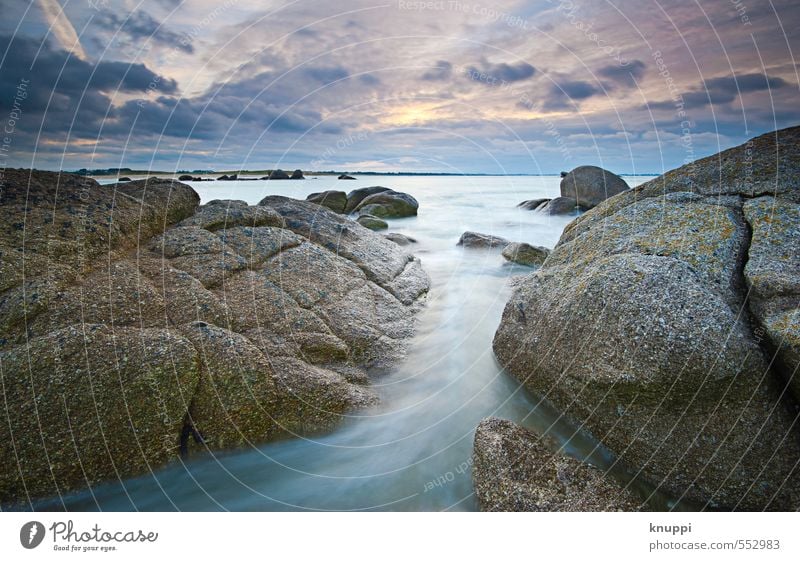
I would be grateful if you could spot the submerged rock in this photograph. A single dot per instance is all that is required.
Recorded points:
(334, 200)
(525, 254)
(171, 327)
(515, 470)
(590, 185)
(634, 327)
(478, 240)
(372, 222)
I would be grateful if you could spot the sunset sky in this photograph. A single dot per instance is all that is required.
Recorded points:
(532, 86)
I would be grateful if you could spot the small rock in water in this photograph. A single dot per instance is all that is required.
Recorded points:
(475, 239)
(525, 254)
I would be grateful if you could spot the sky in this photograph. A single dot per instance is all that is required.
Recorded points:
(535, 86)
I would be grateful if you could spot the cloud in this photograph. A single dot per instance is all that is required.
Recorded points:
(503, 72)
(141, 26)
(442, 71)
(626, 76)
(61, 27)
(723, 90)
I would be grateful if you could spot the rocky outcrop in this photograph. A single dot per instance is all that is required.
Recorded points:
(525, 254)
(590, 185)
(516, 470)
(135, 325)
(388, 204)
(297, 174)
(334, 200)
(644, 326)
(478, 240)
(345, 176)
(372, 222)
(278, 174)
(355, 197)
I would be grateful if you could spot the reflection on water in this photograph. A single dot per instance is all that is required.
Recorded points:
(412, 451)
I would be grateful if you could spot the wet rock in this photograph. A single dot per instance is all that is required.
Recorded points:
(388, 204)
(532, 204)
(516, 470)
(525, 254)
(636, 328)
(345, 176)
(121, 179)
(372, 222)
(355, 197)
(559, 205)
(400, 239)
(477, 240)
(590, 185)
(334, 200)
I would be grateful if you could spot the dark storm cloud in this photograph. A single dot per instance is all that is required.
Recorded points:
(141, 26)
(503, 71)
(57, 74)
(442, 71)
(627, 75)
(722, 90)
(565, 94)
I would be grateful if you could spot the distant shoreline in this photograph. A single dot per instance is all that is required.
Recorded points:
(250, 173)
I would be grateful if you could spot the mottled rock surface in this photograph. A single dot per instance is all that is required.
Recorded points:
(640, 326)
(135, 325)
(515, 470)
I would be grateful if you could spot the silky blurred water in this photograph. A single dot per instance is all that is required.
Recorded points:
(412, 451)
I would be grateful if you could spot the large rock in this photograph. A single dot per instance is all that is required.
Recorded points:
(388, 204)
(478, 240)
(334, 200)
(525, 254)
(637, 327)
(591, 185)
(297, 174)
(515, 470)
(143, 327)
